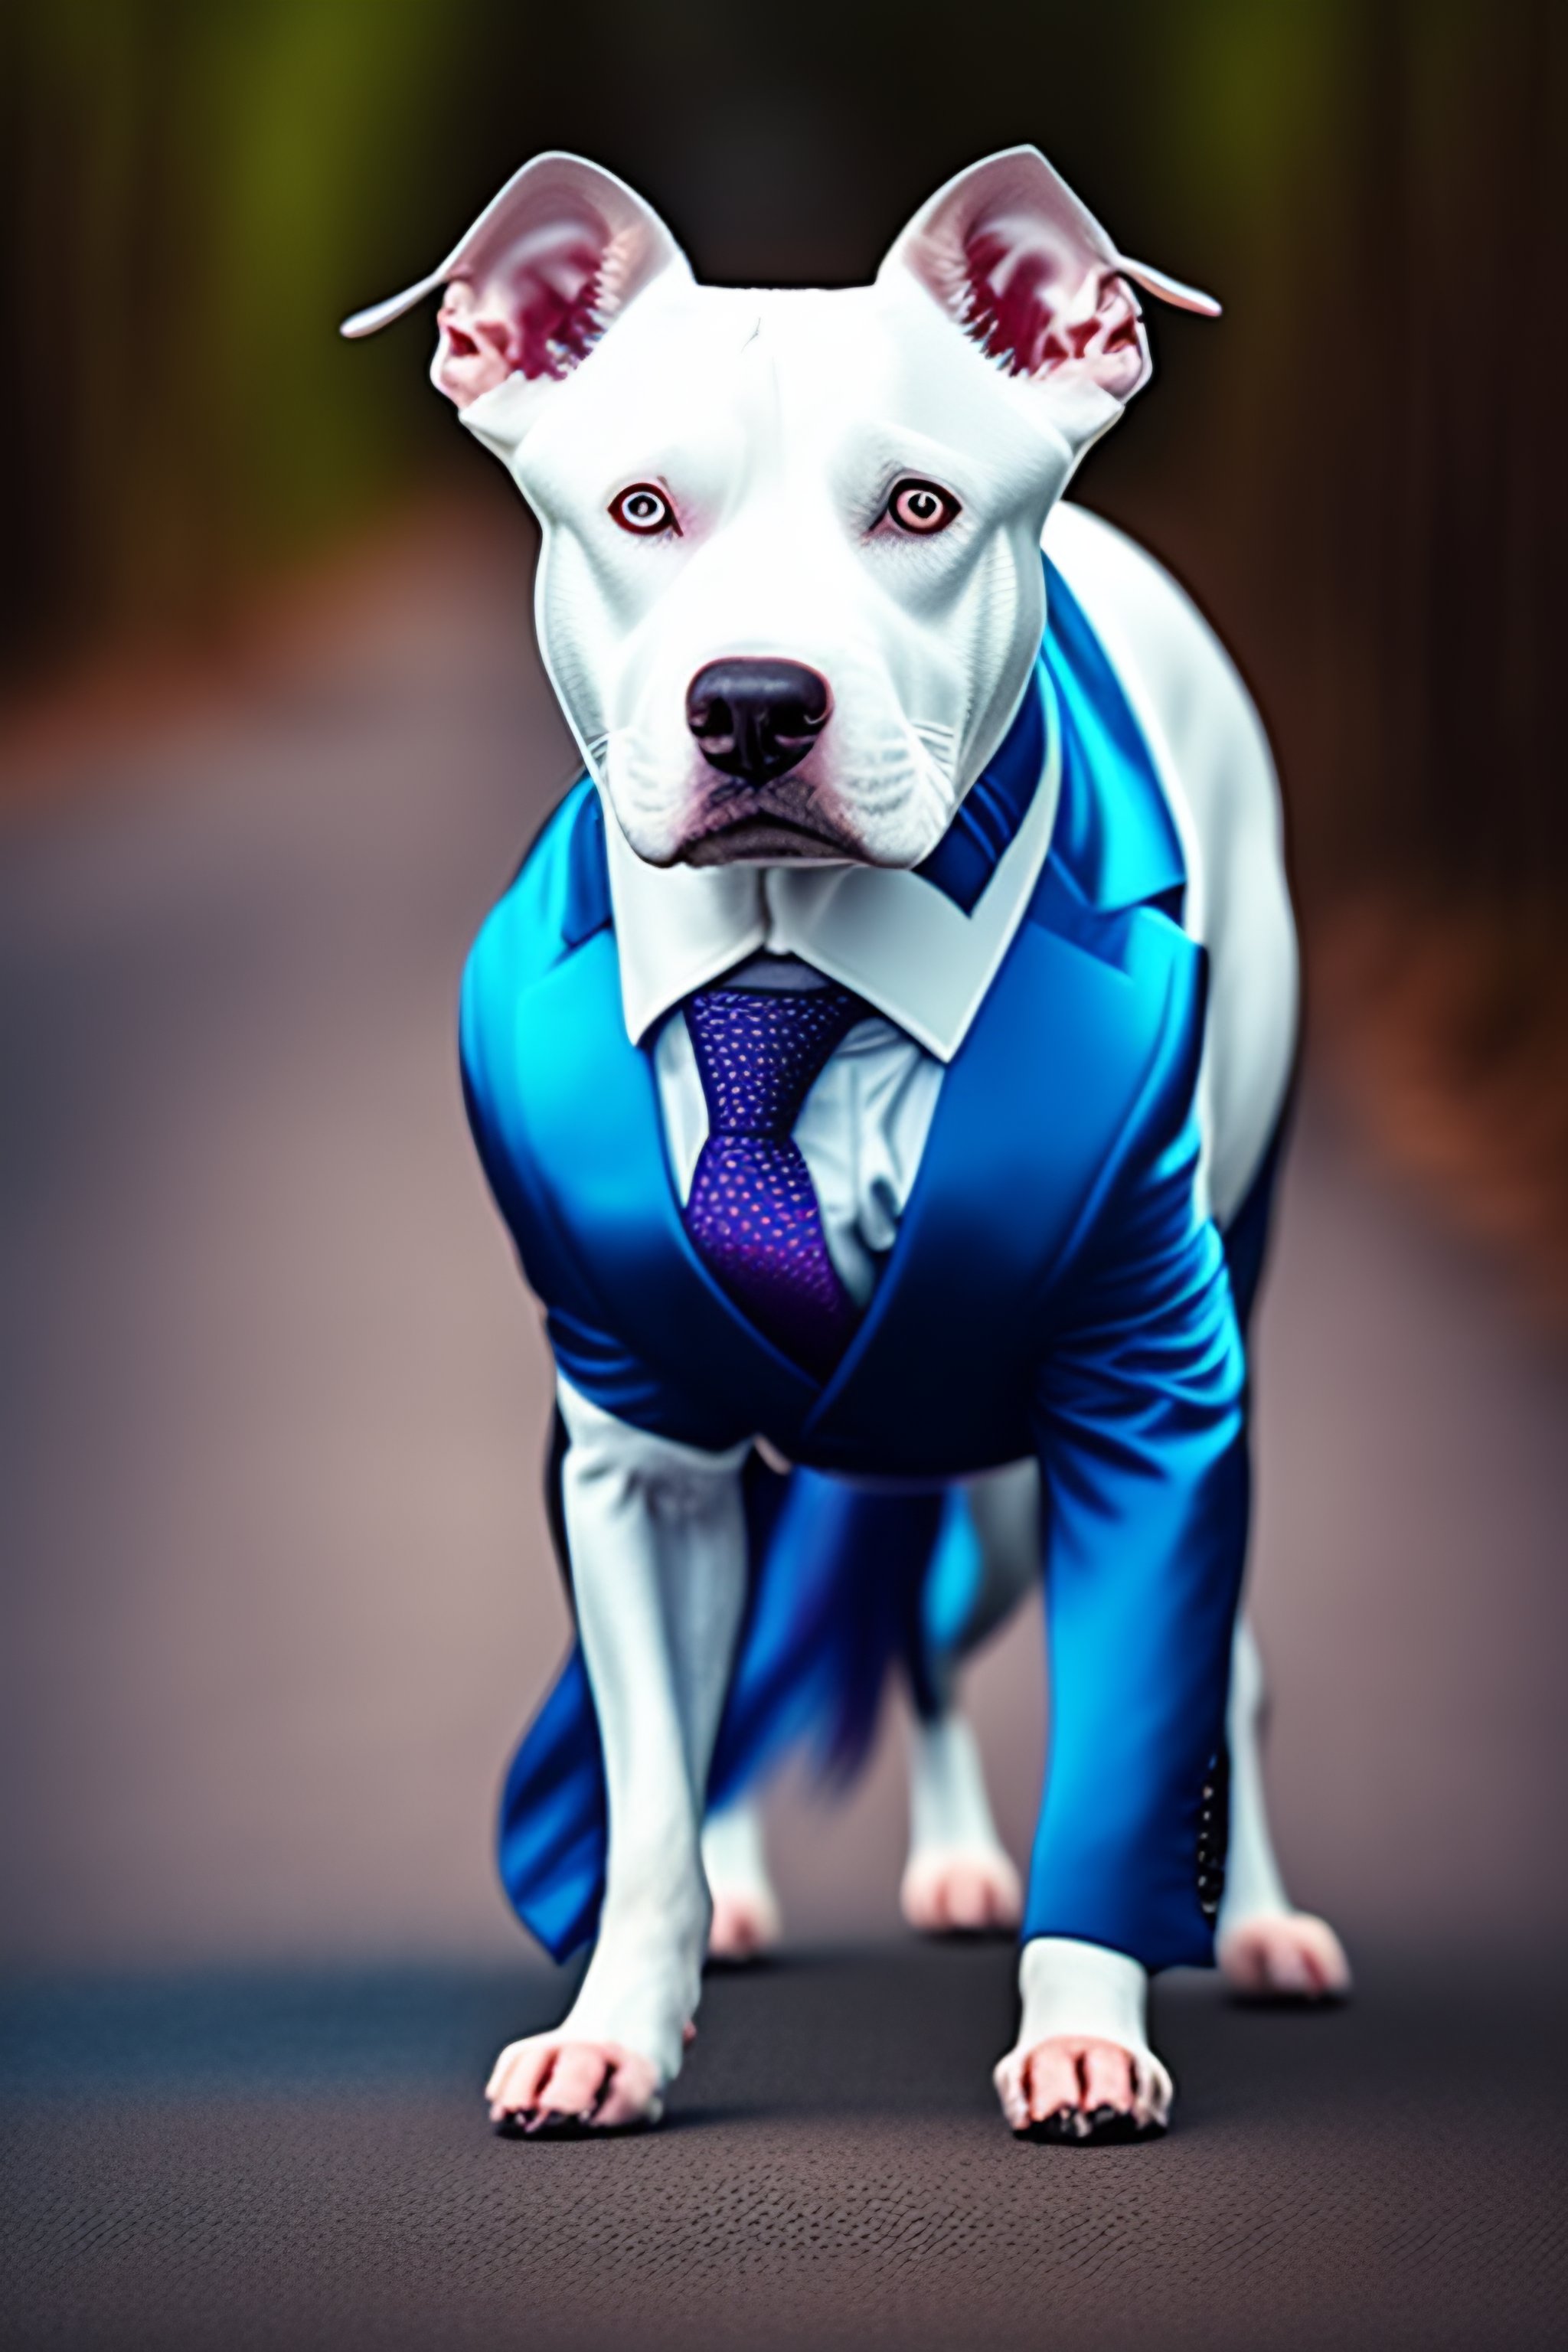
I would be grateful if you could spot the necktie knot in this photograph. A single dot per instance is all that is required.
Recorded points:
(761, 1051)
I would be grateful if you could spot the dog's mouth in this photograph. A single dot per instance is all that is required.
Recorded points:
(763, 837)
(790, 822)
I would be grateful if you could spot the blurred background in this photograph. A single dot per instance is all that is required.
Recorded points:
(272, 734)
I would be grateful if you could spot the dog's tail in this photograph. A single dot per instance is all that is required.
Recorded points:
(839, 1602)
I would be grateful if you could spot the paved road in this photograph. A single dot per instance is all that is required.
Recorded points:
(277, 1593)
(296, 2165)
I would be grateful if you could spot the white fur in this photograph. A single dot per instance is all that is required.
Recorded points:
(1213, 761)
(658, 1539)
(778, 423)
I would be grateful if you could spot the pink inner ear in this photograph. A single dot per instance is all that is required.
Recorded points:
(1030, 303)
(550, 287)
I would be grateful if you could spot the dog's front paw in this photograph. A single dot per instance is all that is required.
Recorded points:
(552, 2086)
(1284, 1956)
(961, 1889)
(1080, 2089)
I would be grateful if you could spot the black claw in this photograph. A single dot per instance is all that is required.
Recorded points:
(541, 2123)
(1063, 2125)
(1103, 2126)
(545, 2123)
(1110, 2125)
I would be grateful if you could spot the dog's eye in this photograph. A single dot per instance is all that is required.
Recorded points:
(644, 509)
(921, 507)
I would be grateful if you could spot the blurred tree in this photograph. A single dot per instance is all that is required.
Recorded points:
(1358, 470)
(192, 196)
(1379, 502)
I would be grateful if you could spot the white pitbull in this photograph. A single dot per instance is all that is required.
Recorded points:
(791, 598)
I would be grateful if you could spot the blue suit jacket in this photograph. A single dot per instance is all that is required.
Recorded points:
(1051, 1289)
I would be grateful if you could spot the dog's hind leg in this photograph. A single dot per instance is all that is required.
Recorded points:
(959, 1876)
(1264, 1945)
(746, 1919)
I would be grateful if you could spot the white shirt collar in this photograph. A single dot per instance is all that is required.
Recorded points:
(897, 941)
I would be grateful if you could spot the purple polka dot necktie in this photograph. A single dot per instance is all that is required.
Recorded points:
(753, 1213)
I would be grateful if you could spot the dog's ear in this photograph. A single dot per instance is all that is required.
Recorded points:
(1027, 272)
(543, 272)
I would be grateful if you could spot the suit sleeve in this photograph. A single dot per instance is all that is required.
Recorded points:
(1139, 1420)
(588, 1352)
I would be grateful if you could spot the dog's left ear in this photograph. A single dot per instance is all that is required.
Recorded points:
(548, 266)
(1028, 275)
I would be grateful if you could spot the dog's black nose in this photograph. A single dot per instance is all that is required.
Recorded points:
(756, 719)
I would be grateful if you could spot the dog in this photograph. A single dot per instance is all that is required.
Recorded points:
(879, 1062)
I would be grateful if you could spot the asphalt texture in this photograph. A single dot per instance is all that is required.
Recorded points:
(304, 2165)
(276, 1597)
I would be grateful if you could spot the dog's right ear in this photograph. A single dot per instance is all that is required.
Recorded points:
(543, 272)
(1029, 276)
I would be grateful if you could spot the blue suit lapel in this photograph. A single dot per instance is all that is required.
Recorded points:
(1030, 1106)
(592, 1109)
(1033, 1101)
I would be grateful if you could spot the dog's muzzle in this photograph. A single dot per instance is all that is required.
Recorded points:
(756, 719)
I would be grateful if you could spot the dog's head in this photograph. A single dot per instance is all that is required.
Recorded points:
(789, 593)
